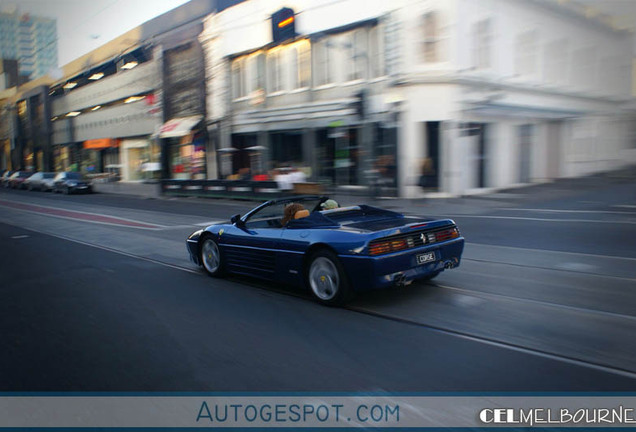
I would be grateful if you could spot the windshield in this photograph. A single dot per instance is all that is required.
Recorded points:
(73, 176)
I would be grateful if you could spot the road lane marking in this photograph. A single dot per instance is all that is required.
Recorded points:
(79, 215)
(499, 344)
(478, 293)
(543, 219)
(544, 251)
(567, 211)
(623, 278)
(18, 237)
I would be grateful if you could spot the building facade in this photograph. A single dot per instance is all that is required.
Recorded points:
(463, 96)
(132, 110)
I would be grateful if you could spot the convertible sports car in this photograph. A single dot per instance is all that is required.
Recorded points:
(333, 252)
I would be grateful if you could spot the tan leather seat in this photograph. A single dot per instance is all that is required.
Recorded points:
(301, 214)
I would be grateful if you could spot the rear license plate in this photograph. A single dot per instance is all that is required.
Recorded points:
(426, 257)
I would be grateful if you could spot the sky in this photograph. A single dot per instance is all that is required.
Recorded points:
(83, 25)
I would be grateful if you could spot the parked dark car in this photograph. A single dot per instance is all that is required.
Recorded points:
(71, 182)
(17, 179)
(4, 179)
(332, 252)
(42, 181)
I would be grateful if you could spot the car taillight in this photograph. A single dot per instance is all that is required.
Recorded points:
(447, 234)
(387, 246)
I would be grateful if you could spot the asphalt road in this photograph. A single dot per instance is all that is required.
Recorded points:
(545, 300)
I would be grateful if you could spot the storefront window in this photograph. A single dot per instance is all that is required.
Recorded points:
(188, 159)
(135, 155)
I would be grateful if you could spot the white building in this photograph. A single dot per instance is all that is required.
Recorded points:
(494, 93)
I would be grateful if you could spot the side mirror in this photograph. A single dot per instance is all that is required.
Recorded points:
(236, 219)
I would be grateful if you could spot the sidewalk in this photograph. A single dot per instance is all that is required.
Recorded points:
(142, 190)
(474, 204)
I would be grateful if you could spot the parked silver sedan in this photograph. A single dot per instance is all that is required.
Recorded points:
(42, 181)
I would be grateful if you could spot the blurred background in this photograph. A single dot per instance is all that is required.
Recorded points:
(406, 98)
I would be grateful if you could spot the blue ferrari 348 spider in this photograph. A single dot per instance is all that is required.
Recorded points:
(334, 252)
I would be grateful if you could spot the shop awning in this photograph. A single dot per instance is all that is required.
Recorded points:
(179, 127)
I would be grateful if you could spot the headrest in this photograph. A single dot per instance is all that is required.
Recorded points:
(301, 214)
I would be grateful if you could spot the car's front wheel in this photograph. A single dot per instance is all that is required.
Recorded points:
(210, 256)
(327, 280)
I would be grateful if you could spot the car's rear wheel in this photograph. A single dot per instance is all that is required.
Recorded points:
(327, 280)
(211, 257)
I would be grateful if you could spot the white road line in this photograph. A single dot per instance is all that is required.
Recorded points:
(158, 226)
(567, 211)
(544, 251)
(625, 206)
(538, 302)
(69, 218)
(544, 219)
(512, 346)
(109, 249)
(18, 237)
(494, 275)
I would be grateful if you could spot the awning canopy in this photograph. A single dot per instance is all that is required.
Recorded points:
(179, 127)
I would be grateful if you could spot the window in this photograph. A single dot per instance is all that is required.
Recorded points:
(376, 53)
(583, 68)
(322, 54)
(300, 66)
(356, 46)
(274, 71)
(304, 65)
(526, 54)
(430, 40)
(238, 79)
(482, 41)
(294, 67)
(257, 72)
(556, 62)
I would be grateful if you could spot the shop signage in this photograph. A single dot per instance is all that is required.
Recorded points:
(283, 25)
(99, 144)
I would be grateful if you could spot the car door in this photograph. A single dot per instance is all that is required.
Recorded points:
(251, 246)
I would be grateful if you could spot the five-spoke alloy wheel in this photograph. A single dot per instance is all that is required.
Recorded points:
(211, 257)
(327, 279)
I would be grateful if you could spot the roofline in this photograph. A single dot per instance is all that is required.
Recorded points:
(311, 36)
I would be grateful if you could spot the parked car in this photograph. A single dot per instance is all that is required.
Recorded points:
(17, 179)
(4, 180)
(333, 252)
(42, 181)
(71, 182)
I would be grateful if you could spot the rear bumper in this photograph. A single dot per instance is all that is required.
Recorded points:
(400, 268)
(80, 189)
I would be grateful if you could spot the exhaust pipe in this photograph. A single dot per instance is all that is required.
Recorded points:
(399, 280)
(448, 265)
